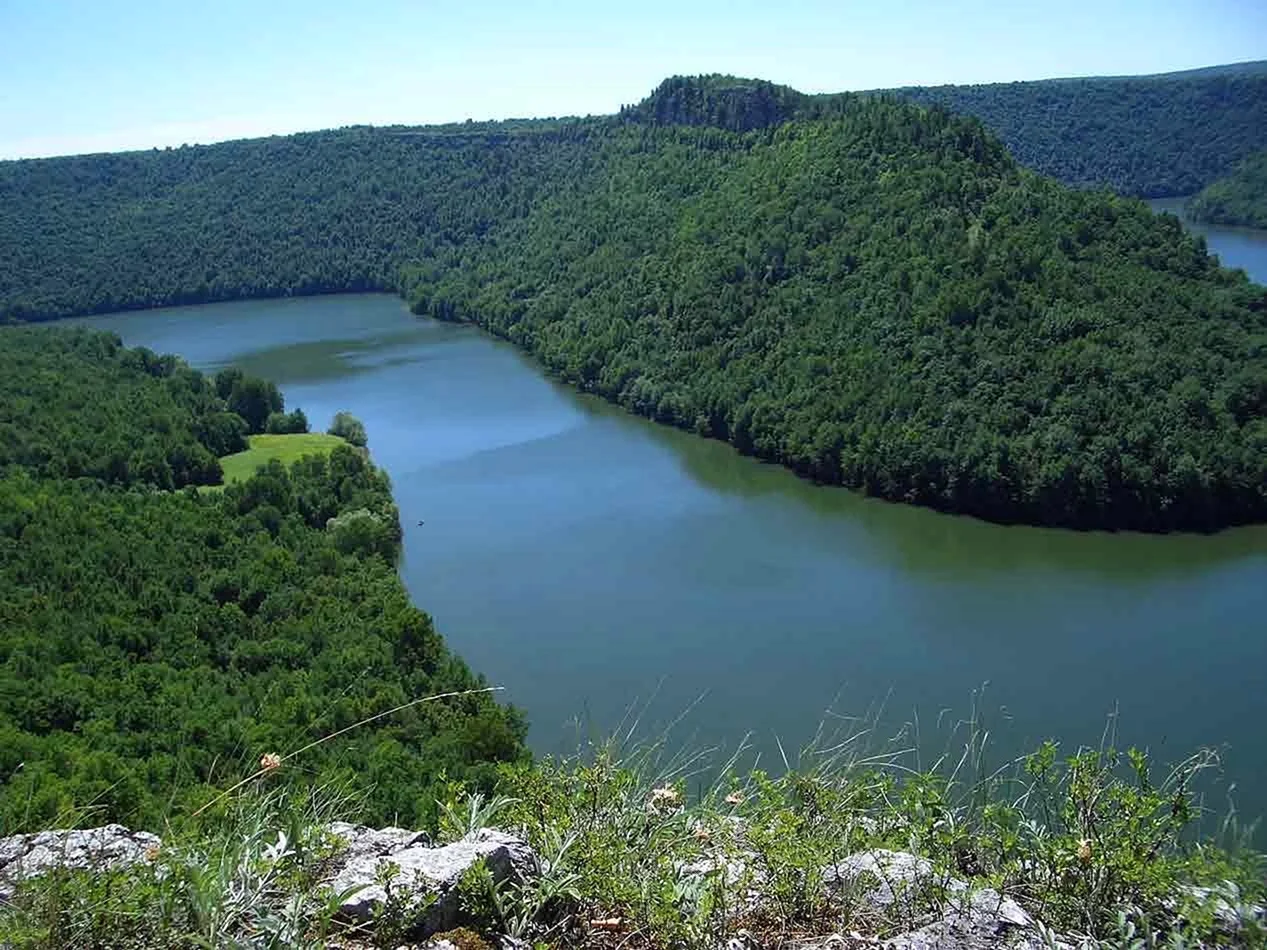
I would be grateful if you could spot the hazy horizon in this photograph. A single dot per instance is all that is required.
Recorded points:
(85, 77)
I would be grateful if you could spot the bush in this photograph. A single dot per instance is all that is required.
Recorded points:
(349, 428)
(362, 532)
(286, 423)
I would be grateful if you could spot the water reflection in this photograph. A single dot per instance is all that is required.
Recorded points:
(942, 545)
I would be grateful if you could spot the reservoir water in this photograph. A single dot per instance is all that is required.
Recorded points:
(1245, 248)
(595, 563)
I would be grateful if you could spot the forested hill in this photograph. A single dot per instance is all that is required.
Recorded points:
(157, 643)
(1238, 199)
(878, 296)
(1151, 136)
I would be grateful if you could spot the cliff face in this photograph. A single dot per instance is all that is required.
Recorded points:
(724, 102)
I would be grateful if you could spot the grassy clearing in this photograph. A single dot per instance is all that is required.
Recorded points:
(285, 448)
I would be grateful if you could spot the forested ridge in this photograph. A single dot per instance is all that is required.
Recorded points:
(1150, 136)
(870, 292)
(1238, 199)
(1147, 136)
(158, 642)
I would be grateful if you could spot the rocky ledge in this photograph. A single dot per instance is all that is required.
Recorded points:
(424, 875)
(371, 867)
(100, 849)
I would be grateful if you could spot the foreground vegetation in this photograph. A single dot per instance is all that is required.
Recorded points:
(159, 639)
(1238, 199)
(873, 294)
(1095, 845)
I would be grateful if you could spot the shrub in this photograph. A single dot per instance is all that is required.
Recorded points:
(349, 428)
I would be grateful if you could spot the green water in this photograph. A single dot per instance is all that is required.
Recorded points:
(593, 562)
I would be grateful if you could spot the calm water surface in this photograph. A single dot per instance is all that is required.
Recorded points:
(1245, 248)
(593, 562)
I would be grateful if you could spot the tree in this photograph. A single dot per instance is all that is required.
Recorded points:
(255, 399)
(286, 423)
(226, 379)
(349, 428)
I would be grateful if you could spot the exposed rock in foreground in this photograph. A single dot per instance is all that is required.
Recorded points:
(948, 912)
(101, 849)
(405, 872)
(425, 876)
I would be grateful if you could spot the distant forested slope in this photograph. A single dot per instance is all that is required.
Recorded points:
(1150, 136)
(876, 295)
(313, 213)
(1238, 199)
(157, 643)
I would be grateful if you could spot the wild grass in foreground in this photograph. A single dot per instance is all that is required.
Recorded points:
(1098, 846)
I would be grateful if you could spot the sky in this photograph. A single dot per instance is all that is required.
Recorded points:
(106, 75)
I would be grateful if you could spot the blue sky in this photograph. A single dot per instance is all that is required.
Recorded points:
(94, 75)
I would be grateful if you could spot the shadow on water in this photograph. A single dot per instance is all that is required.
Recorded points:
(325, 360)
(930, 542)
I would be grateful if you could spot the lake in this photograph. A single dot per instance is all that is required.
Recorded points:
(607, 570)
(1245, 248)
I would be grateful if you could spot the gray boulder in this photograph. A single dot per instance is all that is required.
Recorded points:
(952, 914)
(426, 877)
(882, 877)
(365, 842)
(974, 920)
(107, 848)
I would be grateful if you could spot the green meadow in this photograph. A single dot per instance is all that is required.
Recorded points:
(285, 448)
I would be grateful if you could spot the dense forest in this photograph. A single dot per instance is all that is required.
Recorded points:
(1148, 136)
(1238, 199)
(1145, 136)
(158, 642)
(873, 293)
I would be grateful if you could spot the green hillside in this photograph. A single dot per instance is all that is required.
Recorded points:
(158, 643)
(878, 296)
(1238, 199)
(1152, 136)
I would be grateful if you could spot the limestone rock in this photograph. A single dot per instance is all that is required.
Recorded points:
(1231, 913)
(428, 876)
(974, 920)
(886, 876)
(364, 842)
(729, 870)
(965, 918)
(105, 848)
